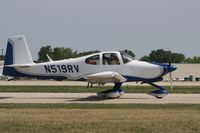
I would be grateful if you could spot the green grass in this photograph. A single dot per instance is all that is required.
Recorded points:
(99, 118)
(99, 106)
(83, 89)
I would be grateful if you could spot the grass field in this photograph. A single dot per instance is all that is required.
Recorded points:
(98, 118)
(109, 118)
(83, 89)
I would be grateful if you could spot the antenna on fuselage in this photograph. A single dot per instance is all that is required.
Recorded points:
(49, 58)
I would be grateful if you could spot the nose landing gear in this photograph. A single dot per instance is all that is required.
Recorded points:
(158, 93)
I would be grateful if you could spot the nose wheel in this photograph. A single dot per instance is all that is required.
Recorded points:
(158, 93)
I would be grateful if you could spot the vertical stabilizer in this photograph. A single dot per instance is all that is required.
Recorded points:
(19, 51)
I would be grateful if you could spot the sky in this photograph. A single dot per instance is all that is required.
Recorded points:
(83, 25)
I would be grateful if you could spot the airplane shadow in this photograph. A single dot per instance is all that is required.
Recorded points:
(91, 98)
(5, 97)
(82, 99)
(98, 98)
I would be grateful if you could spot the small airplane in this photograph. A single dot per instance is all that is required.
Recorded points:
(104, 67)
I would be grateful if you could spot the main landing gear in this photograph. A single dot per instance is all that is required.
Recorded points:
(116, 92)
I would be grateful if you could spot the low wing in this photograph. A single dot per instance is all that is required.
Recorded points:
(105, 77)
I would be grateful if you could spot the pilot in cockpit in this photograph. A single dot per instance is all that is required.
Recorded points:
(114, 59)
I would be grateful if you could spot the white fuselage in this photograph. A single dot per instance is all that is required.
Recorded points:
(77, 68)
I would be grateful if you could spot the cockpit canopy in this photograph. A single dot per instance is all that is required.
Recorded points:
(109, 58)
(126, 58)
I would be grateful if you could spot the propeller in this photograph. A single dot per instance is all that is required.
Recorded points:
(170, 63)
(170, 78)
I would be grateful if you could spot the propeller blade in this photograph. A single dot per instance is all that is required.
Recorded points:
(169, 63)
(171, 80)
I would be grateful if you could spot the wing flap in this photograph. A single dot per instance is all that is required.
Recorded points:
(105, 77)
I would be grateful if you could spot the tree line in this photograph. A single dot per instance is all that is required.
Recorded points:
(60, 53)
(163, 56)
(159, 55)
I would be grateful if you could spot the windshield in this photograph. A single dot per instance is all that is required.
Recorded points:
(126, 58)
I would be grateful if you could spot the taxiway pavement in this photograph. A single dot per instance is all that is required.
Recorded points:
(77, 83)
(93, 98)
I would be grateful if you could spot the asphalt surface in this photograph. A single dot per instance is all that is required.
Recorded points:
(77, 83)
(93, 98)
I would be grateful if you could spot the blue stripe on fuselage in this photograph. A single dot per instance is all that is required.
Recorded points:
(136, 79)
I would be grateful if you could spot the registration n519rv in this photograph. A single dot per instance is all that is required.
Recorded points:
(104, 67)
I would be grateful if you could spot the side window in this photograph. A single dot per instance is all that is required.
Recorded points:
(93, 60)
(110, 59)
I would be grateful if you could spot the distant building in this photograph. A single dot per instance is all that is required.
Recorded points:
(185, 70)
